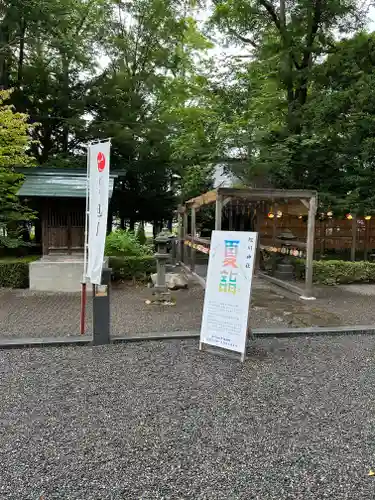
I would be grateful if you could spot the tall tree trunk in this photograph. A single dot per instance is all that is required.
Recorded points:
(4, 55)
(21, 54)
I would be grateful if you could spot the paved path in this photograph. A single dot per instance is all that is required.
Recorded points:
(24, 313)
(160, 420)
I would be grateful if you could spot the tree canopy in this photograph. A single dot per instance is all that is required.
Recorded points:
(292, 108)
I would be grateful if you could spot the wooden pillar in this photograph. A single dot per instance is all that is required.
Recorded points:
(366, 242)
(257, 230)
(322, 237)
(69, 230)
(242, 222)
(185, 232)
(310, 247)
(179, 242)
(274, 225)
(354, 238)
(193, 231)
(44, 217)
(218, 212)
(230, 217)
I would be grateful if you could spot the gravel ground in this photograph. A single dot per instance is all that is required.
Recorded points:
(160, 420)
(352, 305)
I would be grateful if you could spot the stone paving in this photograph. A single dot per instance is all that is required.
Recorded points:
(24, 313)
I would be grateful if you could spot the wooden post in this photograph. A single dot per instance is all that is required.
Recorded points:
(218, 211)
(274, 225)
(193, 231)
(257, 230)
(230, 216)
(180, 238)
(242, 222)
(45, 232)
(322, 237)
(366, 242)
(69, 230)
(310, 248)
(185, 232)
(354, 238)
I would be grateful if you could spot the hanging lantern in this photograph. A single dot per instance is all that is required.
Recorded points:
(349, 216)
(271, 215)
(367, 217)
(329, 213)
(300, 216)
(279, 214)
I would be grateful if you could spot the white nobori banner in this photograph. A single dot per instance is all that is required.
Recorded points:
(228, 289)
(98, 183)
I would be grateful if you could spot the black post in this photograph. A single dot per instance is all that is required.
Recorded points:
(101, 309)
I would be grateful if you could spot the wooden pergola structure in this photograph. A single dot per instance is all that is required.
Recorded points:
(291, 201)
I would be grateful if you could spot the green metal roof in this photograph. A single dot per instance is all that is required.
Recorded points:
(57, 184)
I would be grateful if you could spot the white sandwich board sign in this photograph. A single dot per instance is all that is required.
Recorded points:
(228, 290)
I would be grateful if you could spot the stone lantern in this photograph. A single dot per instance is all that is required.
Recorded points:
(161, 256)
(285, 269)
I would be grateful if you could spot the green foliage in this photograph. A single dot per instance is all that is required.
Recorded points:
(14, 142)
(333, 272)
(152, 45)
(196, 180)
(141, 235)
(127, 268)
(297, 119)
(296, 111)
(125, 244)
(14, 273)
(14, 138)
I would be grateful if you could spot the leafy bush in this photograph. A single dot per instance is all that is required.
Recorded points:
(122, 243)
(141, 235)
(127, 268)
(14, 273)
(332, 272)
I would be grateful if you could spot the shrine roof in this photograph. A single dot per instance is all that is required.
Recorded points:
(56, 183)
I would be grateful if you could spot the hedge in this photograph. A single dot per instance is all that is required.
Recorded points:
(14, 272)
(332, 272)
(127, 268)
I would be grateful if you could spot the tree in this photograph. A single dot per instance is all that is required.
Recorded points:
(339, 127)
(333, 151)
(51, 49)
(151, 45)
(14, 145)
(293, 33)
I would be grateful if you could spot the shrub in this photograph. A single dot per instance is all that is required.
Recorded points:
(14, 273)
(332, 272)
(123, 243)
(127, 268)
(141, 235)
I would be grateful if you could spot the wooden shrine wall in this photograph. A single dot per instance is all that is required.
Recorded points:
(63, 224)
(330, 234)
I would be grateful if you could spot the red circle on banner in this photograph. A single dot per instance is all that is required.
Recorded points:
(101, 162)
